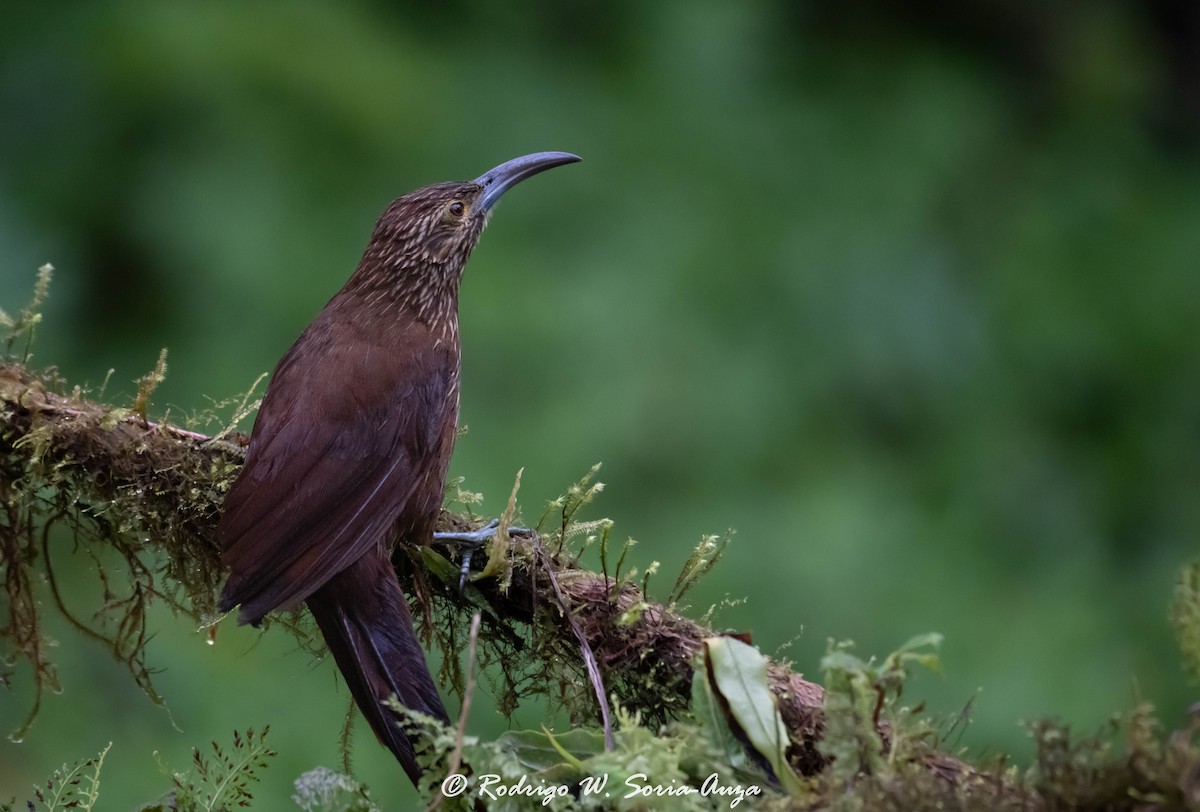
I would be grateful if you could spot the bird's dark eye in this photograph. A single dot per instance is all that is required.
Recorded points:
(456, 208)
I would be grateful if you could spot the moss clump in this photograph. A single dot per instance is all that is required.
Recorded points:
(139, 499)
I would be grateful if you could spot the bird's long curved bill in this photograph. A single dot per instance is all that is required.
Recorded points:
(500, 179)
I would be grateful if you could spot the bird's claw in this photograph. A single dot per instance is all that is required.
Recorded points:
(472, 540)
(469, 538)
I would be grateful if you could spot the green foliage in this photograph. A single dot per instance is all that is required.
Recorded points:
(867, 731)
(703, 558)
(564, 508)
(713, 720)
(648, 768)
(724, 755)
(30, 316)
(735, 676)
(148, 383)
(218, 782)
(456, 494)
(1127, 764)
(221, 780)
(74, 787)
(884, 757)
(1185, 617)
(324, 790)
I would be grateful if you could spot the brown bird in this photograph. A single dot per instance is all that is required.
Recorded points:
(349, 451)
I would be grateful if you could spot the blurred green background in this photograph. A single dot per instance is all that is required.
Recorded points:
(905, 293)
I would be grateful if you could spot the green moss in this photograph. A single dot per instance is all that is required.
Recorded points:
(1185, 617)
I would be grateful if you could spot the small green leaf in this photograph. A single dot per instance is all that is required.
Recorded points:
(739, 675)
(707, 710)
(543, 750)
(840, 660)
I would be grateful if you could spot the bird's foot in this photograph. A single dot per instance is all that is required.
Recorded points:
(472, 540)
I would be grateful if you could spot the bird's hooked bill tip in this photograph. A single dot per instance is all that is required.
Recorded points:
(498, 180)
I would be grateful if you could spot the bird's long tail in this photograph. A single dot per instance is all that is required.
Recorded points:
(365, 620)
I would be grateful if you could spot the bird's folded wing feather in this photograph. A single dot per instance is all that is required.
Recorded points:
(337, 449)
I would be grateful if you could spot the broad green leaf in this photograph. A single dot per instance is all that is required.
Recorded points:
(540, 750)
(706, 707)
(739, 674)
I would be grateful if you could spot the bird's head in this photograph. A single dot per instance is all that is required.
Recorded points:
(426, 236)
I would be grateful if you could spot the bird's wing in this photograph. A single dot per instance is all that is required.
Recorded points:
(338, 448)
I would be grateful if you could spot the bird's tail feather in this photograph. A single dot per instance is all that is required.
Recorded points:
(366, 624)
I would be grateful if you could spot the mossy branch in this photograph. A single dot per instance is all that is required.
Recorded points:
(151, 492)
(147, 495)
